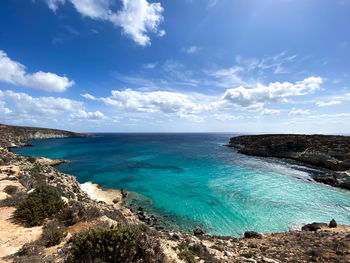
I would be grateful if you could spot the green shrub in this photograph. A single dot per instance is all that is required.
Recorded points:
(107, 244)
(53, 234)
(10, 189)
(187, 256)
(42, 203)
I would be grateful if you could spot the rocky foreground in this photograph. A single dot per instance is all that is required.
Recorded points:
(62, 234)
(326, 151)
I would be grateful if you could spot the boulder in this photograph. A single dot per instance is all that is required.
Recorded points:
(252, 234)
(333, 224)
(314, 226)
(198, 231)
(124, 193)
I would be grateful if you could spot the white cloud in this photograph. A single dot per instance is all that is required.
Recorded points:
(15, 73)
(26, 105)
(191, 117)
(226, 117)
(270, 112)
(149, 65)
(227, 77)
(53, 4)
(88, 96)
(157, 101)
(295, 112)
(83, 115)
(136, 18)
(190, 50)
(324, 104)
(274, 92)
(3, 109)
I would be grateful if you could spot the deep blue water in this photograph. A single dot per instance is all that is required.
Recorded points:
(191, 180)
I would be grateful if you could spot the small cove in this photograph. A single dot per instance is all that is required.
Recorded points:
(191, 180)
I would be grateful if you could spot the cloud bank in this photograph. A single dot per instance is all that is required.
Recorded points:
(15, 73)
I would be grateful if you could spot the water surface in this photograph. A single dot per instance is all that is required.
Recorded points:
(191, 180)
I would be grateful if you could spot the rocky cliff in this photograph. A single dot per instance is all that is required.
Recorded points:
(14, 136)
(326, 151)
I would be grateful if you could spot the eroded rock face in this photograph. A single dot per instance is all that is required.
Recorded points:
(326, 151)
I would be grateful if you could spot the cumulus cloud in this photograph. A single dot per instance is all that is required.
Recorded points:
(24, 104)
(295, 112)
(15, 73)
(136, 18)
(270, 112)
(156, 101)
(274, 92)
(330, 103)
(84, 115)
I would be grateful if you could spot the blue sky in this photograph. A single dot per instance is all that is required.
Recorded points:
(176, 66)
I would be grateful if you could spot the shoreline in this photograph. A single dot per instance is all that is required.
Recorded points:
(253, 247)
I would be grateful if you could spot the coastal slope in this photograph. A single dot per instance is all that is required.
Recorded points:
(15, 136)
(331, 152)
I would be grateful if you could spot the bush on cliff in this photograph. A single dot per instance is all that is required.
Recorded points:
(53, 234)
(42, 203)
(116, 244)
(107, 244)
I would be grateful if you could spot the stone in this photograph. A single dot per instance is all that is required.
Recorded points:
(198, 231)
(124, 193)
(116, 200)
(314, 226)
(333, 224)
(269, 260)
(252, 234)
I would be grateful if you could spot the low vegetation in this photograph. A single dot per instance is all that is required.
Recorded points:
(115, 244)
(53, 234)
(10, 189)
(42, 203)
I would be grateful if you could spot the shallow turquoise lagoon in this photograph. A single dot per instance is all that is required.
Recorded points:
(191, 180)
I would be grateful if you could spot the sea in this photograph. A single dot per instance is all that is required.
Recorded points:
(191, 179)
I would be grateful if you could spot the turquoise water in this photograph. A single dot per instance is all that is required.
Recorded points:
(191, 180)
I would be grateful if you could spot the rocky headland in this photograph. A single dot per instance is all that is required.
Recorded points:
(330, 152)
(93, 225)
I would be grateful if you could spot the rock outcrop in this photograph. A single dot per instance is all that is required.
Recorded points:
(326, 151)
(15, 136)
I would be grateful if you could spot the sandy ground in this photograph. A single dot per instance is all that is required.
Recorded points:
(105, 195)
(12, 236)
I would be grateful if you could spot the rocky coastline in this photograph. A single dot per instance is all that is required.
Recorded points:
(330, 152)
(89, 207)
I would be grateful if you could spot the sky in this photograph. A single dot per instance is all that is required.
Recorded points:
(252, 66)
